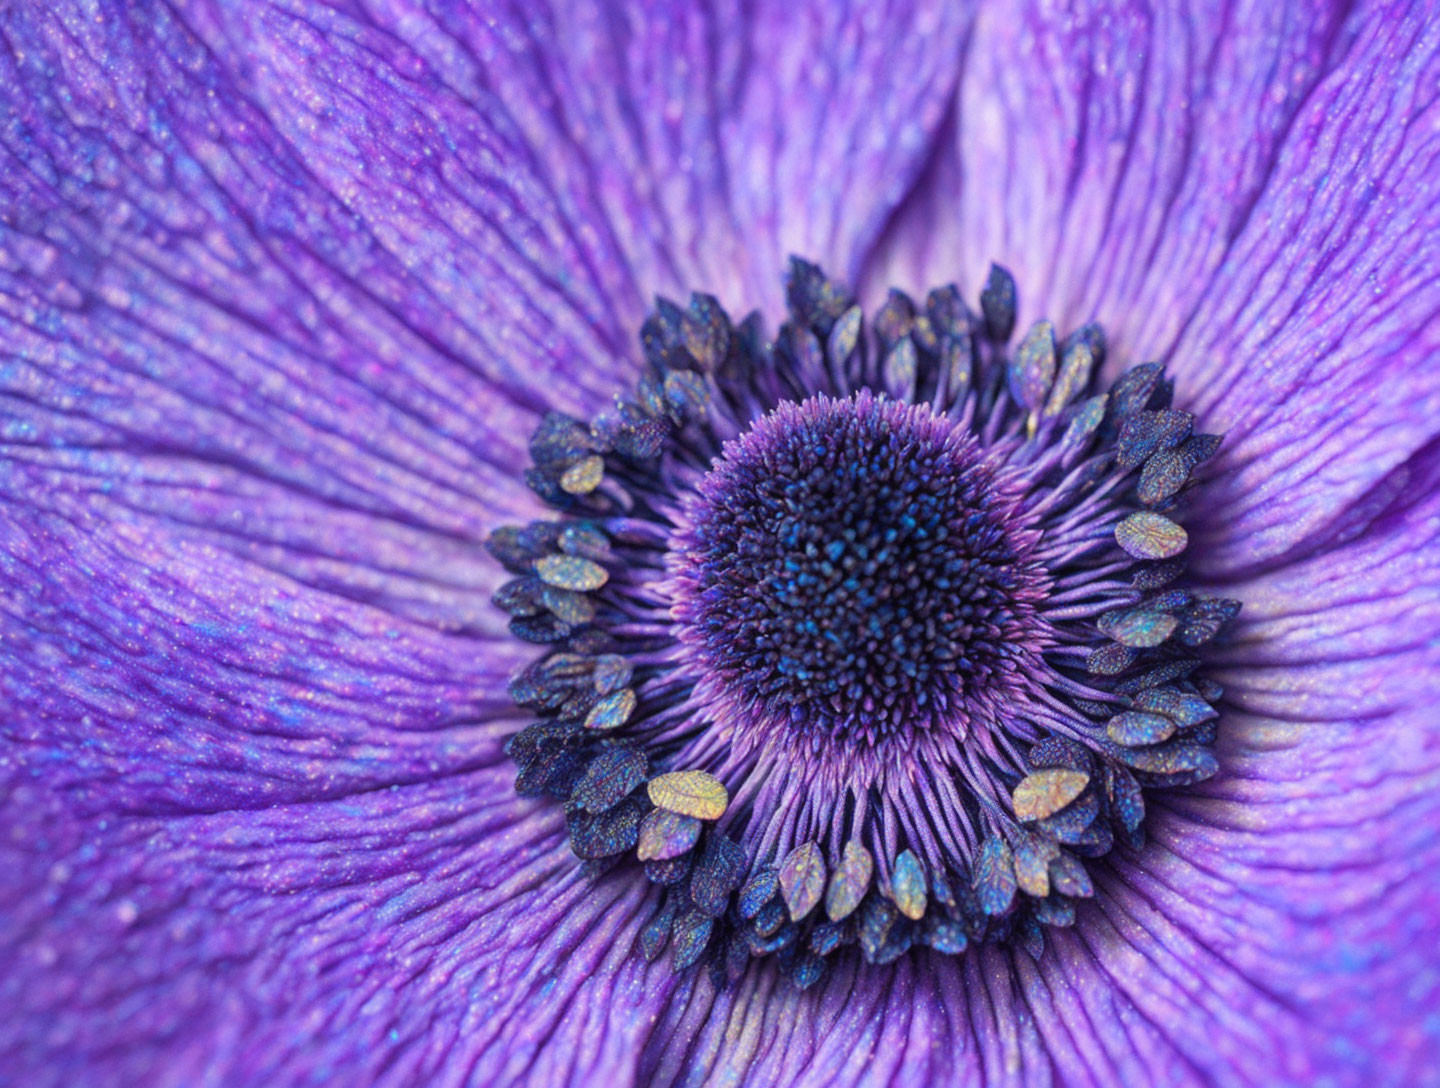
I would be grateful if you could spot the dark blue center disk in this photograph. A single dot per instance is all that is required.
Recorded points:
(854, 567)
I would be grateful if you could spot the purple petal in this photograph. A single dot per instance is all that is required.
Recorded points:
(927, 1020)
(146, 670)
(1246, 192)
(376, 937)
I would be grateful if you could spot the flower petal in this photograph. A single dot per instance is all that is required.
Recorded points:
(200, 344)
(541, 171)
(925, 1020)
(1245, 190)
(147, 671)
(377, 938)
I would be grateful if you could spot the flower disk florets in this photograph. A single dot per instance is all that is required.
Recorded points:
(851, 567)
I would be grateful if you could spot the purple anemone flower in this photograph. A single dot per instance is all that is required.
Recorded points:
(433, 656)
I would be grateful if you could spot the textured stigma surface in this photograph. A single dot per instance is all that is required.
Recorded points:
(850, 569)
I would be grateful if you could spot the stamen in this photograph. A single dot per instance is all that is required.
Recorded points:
(861, 638)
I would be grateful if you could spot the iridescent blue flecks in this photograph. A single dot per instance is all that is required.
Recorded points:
(862, 637)
(853, 568)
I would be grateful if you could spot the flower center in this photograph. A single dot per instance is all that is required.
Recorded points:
(852, 567)
(861, 637)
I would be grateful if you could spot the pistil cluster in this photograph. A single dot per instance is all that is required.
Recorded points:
(852, 569)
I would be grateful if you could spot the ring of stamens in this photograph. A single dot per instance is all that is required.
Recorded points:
(862, 637)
